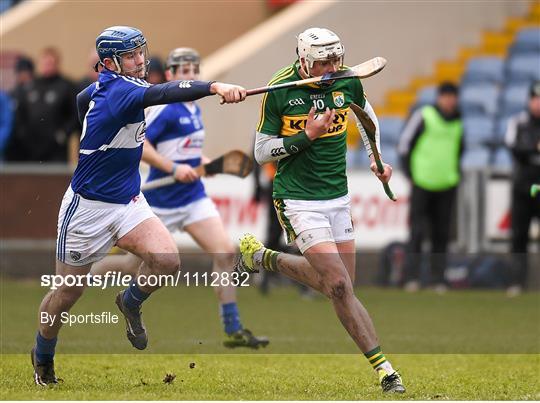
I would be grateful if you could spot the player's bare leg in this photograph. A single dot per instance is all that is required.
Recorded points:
(53, 305)
(328, 268)
(60, 300)
(322, 268)
(299, 269)
(219, 245)
(153, 243)
(212, 238)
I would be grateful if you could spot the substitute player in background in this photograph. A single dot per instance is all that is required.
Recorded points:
(174, 141)
(103, 205)
(304, 128)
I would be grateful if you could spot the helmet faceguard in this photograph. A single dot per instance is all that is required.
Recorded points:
(122, 57)
(181, 57)
(319, 44)
(120, 43)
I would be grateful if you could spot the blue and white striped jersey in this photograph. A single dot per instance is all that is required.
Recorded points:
(112, 138)
(176, 131)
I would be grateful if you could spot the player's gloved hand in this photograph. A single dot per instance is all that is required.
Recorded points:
(383, 177)
(185, 173)
(316, 126)
(229, 93)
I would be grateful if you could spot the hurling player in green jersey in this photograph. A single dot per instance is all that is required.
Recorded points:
(304, 130)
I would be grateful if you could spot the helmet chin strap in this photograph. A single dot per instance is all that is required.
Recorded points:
(305, 68)
(117, 65)
(120, 70)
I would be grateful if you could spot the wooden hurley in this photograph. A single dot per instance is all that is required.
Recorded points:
(234, 163)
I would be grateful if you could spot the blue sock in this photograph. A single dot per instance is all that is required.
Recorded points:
(230, 317)
(45, 348)
(134, 297)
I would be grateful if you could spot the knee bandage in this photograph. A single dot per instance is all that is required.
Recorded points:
(306, 239)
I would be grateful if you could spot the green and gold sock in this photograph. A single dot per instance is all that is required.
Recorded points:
(269, 260)
(375, 357)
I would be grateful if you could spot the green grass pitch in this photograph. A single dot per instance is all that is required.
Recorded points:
(460, 346)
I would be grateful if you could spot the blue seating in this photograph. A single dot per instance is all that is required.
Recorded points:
(390, 155)
(358, 158)
(390, 129)
(502, 158)
(479, 99)
(514, 99)
(427, 96)
(527, 40)
(523, 68)
(484, 70)
(501, 126)
(475, 158)
(478, 130)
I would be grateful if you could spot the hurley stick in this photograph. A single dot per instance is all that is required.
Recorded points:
(370, 129)
(233, 163)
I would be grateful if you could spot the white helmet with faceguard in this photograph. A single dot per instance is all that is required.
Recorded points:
(183, 56)
(317, 44)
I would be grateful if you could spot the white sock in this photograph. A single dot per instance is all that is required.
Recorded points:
(387, 367)
(257, 259)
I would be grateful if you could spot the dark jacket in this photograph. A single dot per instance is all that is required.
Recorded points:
(523, 140)
(45, 116)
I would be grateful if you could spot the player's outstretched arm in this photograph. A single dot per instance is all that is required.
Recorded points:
(176, 91)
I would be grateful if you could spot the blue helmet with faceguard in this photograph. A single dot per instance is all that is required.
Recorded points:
(115, 41)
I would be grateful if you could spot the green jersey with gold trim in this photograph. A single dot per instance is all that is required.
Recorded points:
(317, 172)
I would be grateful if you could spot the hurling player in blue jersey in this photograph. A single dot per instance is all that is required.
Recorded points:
(174, 141)
(103, 205)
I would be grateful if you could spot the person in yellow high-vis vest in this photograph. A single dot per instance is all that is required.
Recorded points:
(430, 147)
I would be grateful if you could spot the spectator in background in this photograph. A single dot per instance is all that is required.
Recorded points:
(90, 77)
(47, 106)
(430, 148)
(6, 121)
(24, 71)
(523, 140)
(156, 74)
(91, 74)
(24, 76)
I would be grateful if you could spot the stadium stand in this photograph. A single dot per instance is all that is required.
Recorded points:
(426, 96)
(391, 127)
(514, 98)
(527, 41)
(494, 82)
(484, 70)
(478, 130)
(502, 158)
(475, 158)
(479, 98)
(523, 68)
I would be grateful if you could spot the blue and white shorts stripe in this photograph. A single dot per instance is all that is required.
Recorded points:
(88, 229)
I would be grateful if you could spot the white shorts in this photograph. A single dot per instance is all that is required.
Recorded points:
(88, 229)
(179, 217)
(298, 216)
